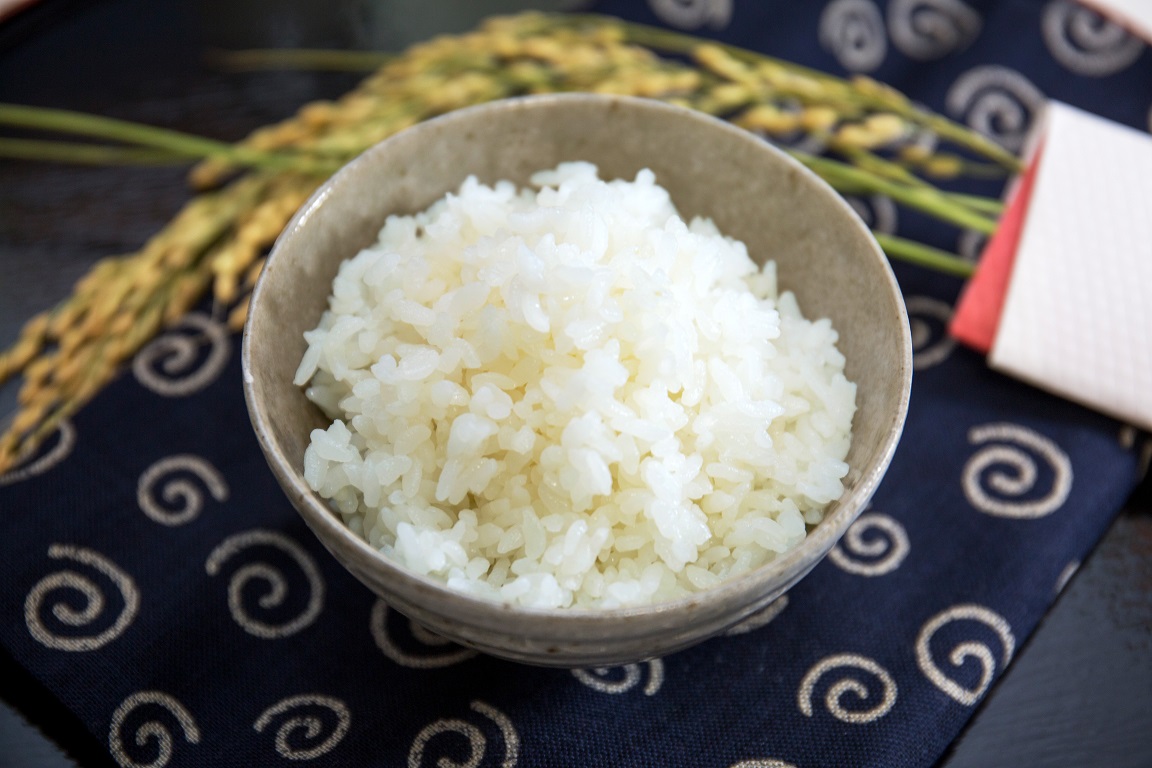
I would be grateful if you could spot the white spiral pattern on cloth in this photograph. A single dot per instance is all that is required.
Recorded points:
(853, 32)
(986, 471)
(761, 618)
(996, 101)
(183, 499)
(477, 743)
(928, 319)
(173, 364)
(58, 584)
(877, 211)
(1127, 436)
(272, 576)
(693, 14)
(1085, 42)
(602, 678)
(931, 29)
(152, 731)
(865, 554)
(307, 721)
(962, 652)
(1066, 575)
(31, 466)
(970, 245)
(435, 651)
(845, 684)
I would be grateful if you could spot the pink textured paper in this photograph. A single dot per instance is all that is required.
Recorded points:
(1077, 319)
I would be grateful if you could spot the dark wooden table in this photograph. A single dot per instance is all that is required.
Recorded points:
(1078, 694)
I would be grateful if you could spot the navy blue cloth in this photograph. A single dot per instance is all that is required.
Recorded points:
(158, 583)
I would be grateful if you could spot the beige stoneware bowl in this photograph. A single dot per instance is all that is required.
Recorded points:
(752, 191)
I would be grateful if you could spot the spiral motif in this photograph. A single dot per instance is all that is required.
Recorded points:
(1145, 460)
(867, 555)
(1011, 487)
(152, 732)
(853, 32)
(920, 137)
(58, 585)
(301, 736)
(877, 211)
(602, 678)
(977, 651)
(33, 466)
(971, 244)
(1087, 43)
(1066, 575)
(693, 14)
(996, 101)
(477, 743)
(932, 29)
(277, 584)
(761, 618)
(1129, 439)
(1127, 436)
(173, 365)
(183, 500)
(431, 650)
(845, 685)
(929, 318)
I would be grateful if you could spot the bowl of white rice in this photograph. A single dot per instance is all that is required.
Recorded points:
(577, 380)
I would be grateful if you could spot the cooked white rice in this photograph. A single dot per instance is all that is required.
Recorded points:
(566, 396)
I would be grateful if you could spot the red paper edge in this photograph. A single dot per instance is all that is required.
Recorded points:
(981, 303)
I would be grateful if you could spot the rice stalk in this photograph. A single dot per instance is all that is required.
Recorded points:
(67, 355)
(850, 179)
(924, 255)
(87, 154)
(174, 142)
(246, 192)
(803, 82)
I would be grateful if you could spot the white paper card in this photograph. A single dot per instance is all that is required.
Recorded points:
(1077, 318)
(1136, 15)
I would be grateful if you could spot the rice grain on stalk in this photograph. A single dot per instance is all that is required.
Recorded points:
(247, 191)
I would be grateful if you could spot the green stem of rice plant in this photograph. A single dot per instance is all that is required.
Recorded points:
(873, 163)
(977, 170)
(849, 179)
(676, 42)
(313, 59)
(86, 154)
(963, 136)
(190, 146)
(924, 255)
(987, 205)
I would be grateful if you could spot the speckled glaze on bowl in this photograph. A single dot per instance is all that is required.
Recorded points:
(755, 193)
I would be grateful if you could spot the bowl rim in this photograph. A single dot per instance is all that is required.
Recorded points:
(785, 569)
